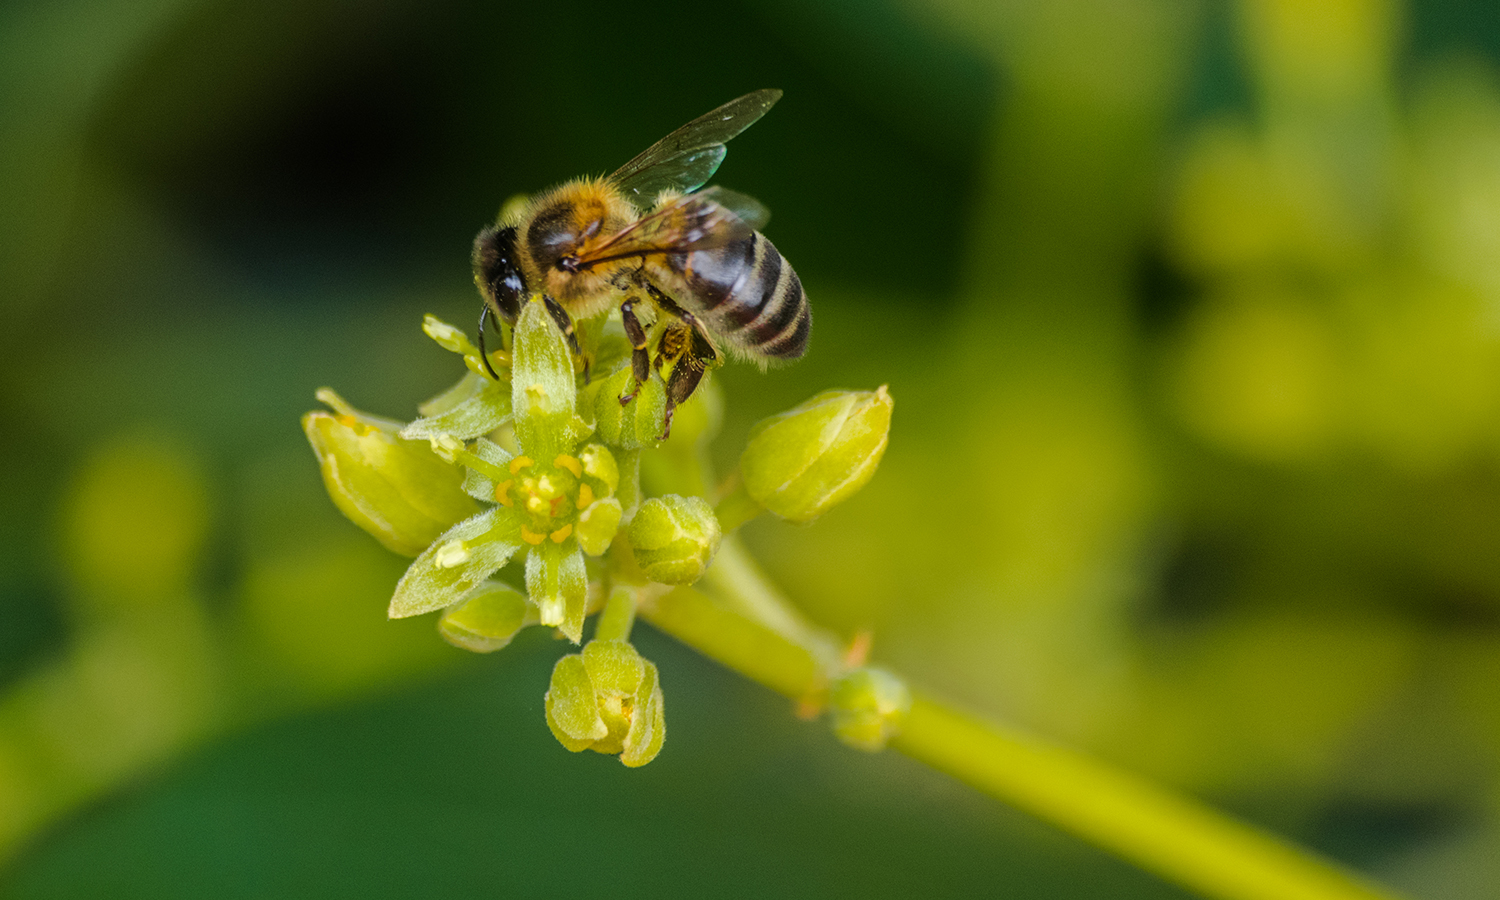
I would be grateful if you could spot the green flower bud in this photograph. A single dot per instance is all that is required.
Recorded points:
(397, 490)
(674, 538)
(636, 424)
(487, 619)
(607, 699)
(868, 705)
(801, 463)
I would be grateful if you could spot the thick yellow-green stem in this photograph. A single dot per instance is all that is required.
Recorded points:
(1170, 834)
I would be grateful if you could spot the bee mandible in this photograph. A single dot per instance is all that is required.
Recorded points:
(645, 238)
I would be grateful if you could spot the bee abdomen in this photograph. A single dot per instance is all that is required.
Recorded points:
(750, 295)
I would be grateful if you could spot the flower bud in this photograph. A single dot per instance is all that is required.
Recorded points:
(488, 619)
(674, 538)
(397, 490)
(868, 705)
(801, 463)
(607, 699)
(637, 423)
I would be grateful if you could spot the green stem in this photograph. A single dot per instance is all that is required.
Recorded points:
(629, 490)
(737, 580)
(737, 508)
(1170, 834)
(618, 616)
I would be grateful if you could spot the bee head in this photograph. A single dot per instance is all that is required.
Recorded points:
(497, 273)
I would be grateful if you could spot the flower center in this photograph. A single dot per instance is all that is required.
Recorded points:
(548, 495)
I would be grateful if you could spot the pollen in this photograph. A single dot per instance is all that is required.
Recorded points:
(561, 534)
(502, 493)
(565, 461)
(348, 421)
(531, 537)
(535, 503)
(519, 463)
(585, 496)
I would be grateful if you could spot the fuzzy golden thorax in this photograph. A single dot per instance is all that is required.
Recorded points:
(565, 223)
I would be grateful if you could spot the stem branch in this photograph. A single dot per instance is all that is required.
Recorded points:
(1173, 835)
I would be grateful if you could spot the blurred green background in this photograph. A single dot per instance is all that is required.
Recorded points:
(1192, 315)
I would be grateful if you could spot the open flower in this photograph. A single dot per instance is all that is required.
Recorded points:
(554, 500)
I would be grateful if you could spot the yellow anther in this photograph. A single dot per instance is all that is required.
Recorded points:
(531, 537)
(585, 496)
(502, 493)
(561, 534)
(348, 421)
(564, 461)
(519, 463)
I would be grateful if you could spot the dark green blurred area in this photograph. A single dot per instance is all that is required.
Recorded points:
(1192, 317)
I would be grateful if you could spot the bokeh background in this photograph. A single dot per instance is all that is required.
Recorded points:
(1192, 315)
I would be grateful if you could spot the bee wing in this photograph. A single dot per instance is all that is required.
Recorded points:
(685, 159)
(749, 210)
(694, 222)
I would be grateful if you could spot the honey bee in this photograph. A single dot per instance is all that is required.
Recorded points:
(648, 240)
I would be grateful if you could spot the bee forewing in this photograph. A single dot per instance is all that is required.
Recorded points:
(685, 159)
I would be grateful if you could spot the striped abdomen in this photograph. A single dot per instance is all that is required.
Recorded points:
(747, 294)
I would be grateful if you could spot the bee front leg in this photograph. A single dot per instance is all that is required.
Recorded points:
(564, 322)
(640, 359)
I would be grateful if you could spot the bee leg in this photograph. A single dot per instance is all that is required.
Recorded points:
(687, 373)
(640, 359)
(564, 322)
(484, 356)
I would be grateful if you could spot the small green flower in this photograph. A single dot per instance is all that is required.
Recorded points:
(607, 699)
(868, 706)
(674, 538)
(397, 490)
(801, 463)
(554, 499)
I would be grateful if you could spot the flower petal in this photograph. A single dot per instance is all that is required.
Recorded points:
(648, 727)
(457, 563)
(558, 585)
(543, 393)
(572, 711)
(479, 414)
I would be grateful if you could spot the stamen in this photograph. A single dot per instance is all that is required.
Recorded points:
(502, 493)
(519, 463)
(565, 461)
(531, 537)
(585, 496)
(561, 534)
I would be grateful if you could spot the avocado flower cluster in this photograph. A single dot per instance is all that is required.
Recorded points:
(538, 472)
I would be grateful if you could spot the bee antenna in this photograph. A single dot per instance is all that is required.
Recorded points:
(484, 316)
